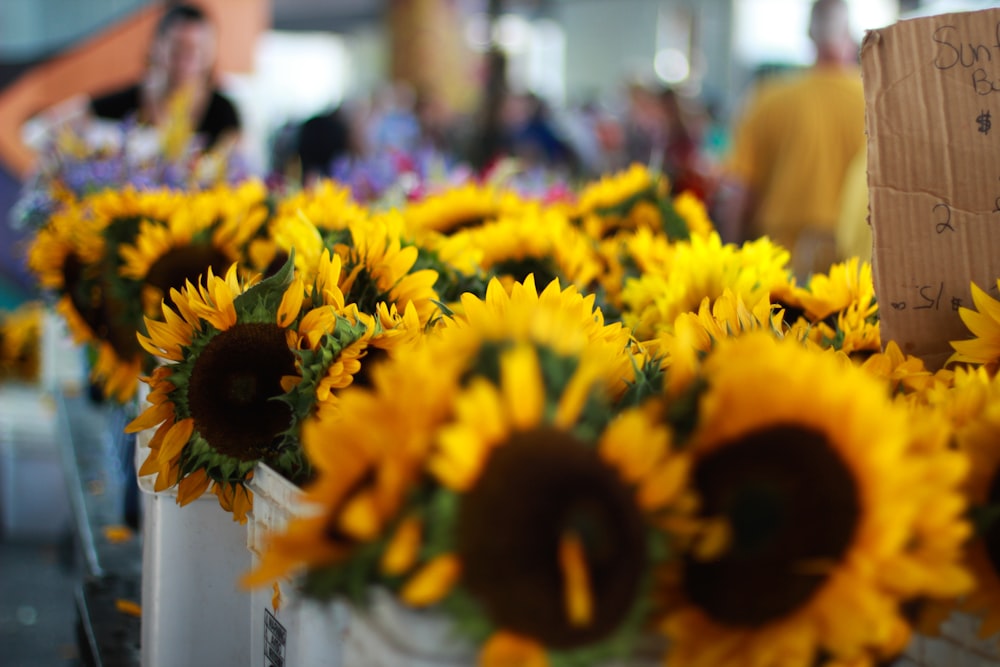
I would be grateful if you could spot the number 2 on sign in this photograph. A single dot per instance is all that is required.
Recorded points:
(944, 218)
(930, 299)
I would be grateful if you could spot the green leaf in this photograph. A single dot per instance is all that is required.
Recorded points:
(261, 302)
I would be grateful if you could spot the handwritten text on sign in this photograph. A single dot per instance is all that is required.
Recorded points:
(933, 173)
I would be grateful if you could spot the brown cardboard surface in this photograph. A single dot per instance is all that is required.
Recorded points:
(932, 94)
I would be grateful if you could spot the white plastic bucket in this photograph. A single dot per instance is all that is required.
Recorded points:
(278, 636)
(62, 360)
(193, 611)
(958, 645)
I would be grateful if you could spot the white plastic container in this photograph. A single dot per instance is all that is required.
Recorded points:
(278, 636)
(193, 611)
(308, 633)
(34, 504)
(958, 645)
(62, 360)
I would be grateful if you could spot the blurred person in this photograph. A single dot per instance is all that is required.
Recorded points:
(392, 123)
(181, 60)
(792, 148)
(534, 137)
(681, 158)
(321, 140)
(643, 127)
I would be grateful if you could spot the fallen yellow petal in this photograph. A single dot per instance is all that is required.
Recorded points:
(118, 534)
(128, 607)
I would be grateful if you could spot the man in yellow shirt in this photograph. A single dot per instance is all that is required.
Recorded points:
(793, 145)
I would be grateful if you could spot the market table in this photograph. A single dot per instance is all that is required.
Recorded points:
(95, 462)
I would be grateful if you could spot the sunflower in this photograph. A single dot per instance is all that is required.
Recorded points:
(693, 335)
(847, 284)
(458, 208)
(340, 348)
(699, 268)
(213, 408)
(541, 242)
(307, 221)
(562, 319)
(692, 209)
(326, 203)
(906, 375)
(815, 471)
(552, 534)
(368, 462)
(627, 201)
(207, 231)
(628, 255)
(973, 408)
(66, 257)
(379, 268)
(984, 324)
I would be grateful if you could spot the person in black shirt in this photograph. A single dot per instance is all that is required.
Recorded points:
(181, 58)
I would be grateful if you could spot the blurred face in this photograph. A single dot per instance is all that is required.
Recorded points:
(187, 51)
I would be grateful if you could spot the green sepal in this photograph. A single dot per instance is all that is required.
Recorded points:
(674, 226)
(261, 302)
(314, 365)
(350, 578)
(648, 382)
(291, 462)
(451, 283)
(220, 468)
(625, 206)
(682, 412)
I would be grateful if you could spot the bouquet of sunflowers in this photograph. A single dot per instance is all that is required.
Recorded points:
(583, 429)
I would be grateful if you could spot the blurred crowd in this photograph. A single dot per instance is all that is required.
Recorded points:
(650, 125)
(778, 167)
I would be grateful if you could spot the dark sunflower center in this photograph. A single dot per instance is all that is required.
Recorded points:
(519, 269)
(279, 260)
(85, 295)
(464, 223)
(793, 507)
(231, 387)
(534, 490)
(189, 262)
(991, 538)
(365, 292)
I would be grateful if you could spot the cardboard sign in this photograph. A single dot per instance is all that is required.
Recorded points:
(932, 94)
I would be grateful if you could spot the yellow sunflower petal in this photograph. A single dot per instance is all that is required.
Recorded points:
(432, 582)
(402, 551)
(175, 439)
(524, 391)
(506, 649)
(191, 487)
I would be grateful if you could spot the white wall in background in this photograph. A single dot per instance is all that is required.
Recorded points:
(775, 31)
(296, 75)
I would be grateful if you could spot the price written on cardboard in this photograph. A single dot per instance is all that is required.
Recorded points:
(932, 92)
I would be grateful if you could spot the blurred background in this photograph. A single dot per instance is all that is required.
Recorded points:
(598, 80)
